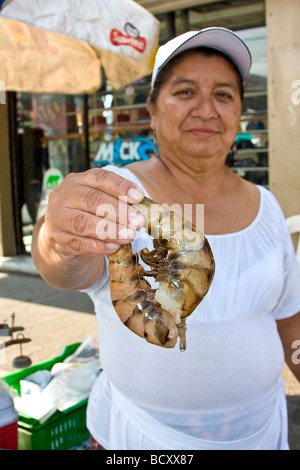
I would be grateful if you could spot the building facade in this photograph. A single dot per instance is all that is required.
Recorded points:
(44, 137)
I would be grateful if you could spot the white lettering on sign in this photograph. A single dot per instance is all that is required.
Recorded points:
(129, 150)
(105, 152)
(124, 151)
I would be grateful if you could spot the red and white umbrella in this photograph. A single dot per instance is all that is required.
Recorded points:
(51, 44)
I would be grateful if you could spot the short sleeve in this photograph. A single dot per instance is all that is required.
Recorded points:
(289, 301)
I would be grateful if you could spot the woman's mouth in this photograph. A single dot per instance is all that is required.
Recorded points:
(202, 132)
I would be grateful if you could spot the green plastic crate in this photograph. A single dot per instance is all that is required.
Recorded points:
(63, 429)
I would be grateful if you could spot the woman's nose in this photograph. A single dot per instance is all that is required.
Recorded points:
(205, 108)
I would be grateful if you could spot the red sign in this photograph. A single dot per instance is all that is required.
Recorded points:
(117, 38)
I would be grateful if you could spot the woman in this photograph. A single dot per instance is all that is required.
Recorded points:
(225, 391)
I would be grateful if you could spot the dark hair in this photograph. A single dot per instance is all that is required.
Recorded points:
(166, 71)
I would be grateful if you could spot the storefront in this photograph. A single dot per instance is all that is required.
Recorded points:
(58, 134)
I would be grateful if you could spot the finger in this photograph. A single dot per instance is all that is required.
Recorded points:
(97, 202)
(102, 228)
(113, 184)
(69, 246)
(85, 225)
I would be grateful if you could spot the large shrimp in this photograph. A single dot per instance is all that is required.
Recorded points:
(183, 264)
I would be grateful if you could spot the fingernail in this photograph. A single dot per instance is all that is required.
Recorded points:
(136, 220)
(135, 195)
(112, 246)
(126, 233)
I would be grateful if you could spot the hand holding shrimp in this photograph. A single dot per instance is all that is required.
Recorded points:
(73, 214)
(183, 264)
(69, 249)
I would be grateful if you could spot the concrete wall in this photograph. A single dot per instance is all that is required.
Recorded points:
(283, 36)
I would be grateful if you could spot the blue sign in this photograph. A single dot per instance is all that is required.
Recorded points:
(123, 152)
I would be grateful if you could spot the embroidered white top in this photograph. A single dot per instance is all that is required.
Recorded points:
(225, 390)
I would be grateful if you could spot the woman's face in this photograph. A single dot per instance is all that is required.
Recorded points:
(198, 110)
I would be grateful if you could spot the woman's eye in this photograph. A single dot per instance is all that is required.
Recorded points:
(224, 95)
(184, 92)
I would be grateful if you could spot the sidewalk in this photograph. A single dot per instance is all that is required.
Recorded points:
(53, 319)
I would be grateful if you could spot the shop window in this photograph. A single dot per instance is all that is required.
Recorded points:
(249, 157)
(126, 135)
(51, 144)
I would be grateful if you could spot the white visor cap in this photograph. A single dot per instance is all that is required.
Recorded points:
(222, 39)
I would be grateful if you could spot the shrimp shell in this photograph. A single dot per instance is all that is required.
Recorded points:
(183, 264)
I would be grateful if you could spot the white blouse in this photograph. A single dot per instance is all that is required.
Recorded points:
(225, 390)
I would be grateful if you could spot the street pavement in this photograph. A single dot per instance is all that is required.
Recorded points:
(51, 318)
